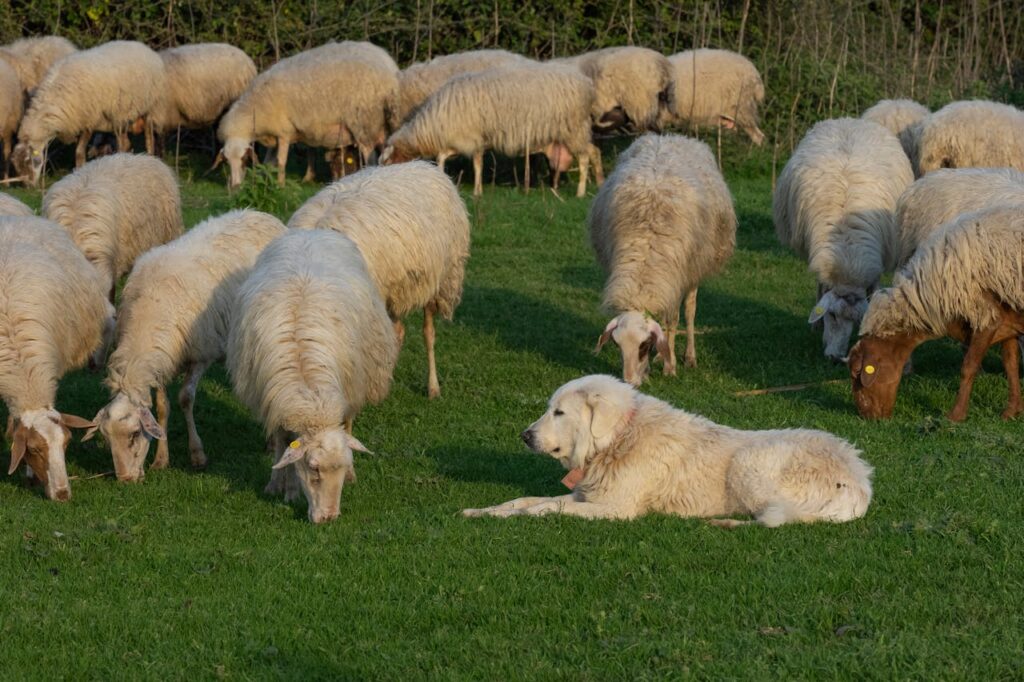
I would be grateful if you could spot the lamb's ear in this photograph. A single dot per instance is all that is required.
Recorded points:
(149, 424)
(659, 338)
(293, 453)
(17, 448)
(354, 444)
(821, 307)
(606, 334)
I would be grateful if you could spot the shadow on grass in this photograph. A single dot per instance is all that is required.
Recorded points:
(533, 474)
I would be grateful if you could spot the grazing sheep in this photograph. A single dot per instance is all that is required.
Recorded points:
(965, 281)
(834, 205)
(112, 87)
(411, 227)
(663, 222)
(630, 86)
(419, 81)
(334, 96)
(974, 133)
(310, 344)
(202, 80)
(115, 209)
(12, 103)
(31, 58)
(901, 117)
(53, 315)
(174, 316)
(516, 110)
(11, 206)
(944, 194)
(715, 88)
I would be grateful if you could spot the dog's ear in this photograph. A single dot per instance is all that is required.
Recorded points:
(605, 415)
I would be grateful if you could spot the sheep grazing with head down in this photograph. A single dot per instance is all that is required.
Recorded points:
(115, 209)
(310, 344)
(974, 133)
(411, 227)
(833, 205)
(965, 281)
(174, 316)
(516, 110)
(662, 223)
(53, 315)
(31, 58)
(713, 88)
(902, 117)
(114, 87)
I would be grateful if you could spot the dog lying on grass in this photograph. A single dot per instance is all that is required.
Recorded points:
(630, 454)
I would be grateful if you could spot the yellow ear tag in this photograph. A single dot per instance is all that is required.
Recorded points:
(869, 369)
(295, 444)
(818, 310)
(350, 160)
(36, 152)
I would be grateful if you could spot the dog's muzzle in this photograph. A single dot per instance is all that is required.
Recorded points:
(527, 437)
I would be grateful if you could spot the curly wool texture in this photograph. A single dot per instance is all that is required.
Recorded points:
(709, 84)
(976, 133)
(52, 312)
(835, 198)
(634, 78)
(177, 304)
(311, 342)
(510, 109)
(12, 207)
(31, 58)
(116, 208)
(101, 89)
(12, 104)
(410, 226)
(332, 96)
(661, 223)
(901, 117)
(202, 81)
(942, 195)
(955, 275)
(419, 81)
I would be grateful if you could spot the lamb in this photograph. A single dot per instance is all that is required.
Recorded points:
(515, 110)
(965, 281)
(174, 316)
(944, 194)
(11, 107)
(972, 133)
(109, 88)
(11, 206)
(116, 208)
(411, 227)
(833, 205)
(662, 223)
(333, 96)
(419, 81)
(901, 117)
(630, 86)
(715, 88)
(310, 344)
(203, 80)
(31, 58)
(53, 315)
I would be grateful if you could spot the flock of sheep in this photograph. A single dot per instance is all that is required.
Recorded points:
(309, 315)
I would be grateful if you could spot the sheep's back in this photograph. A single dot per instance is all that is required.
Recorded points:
(972, 133)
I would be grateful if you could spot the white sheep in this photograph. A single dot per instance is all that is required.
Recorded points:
(202, 80)
(715, 88)
(411, 227)
(833, 205)
(114, 87)
(420, 80)
(31, 58)
(516, 110)
(174, 317)
(631, 85)
(971, 133)
(662, 223)
(12, 104)
(116, 208)
(53, 314)
(11, 206)
(901, 117)
(944, 194)
(333, 96)
(310, 344)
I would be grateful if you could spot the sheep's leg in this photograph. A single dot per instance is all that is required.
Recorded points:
(1011, 363)
(433, 387)
(7, 154)
(441, 158)
(83, 142)
(478, 173)
(399, 332)
(282, 159)
(278, 477)
(124, 143)
(187, 401)
(669, 325)
(163, 413)
(595, 157)
(150, 137)
(555, 177)
(310, 175)
(581, 189)
(980, 341)
(690, 359)
(526, 172)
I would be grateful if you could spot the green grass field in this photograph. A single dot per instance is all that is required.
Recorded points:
(200, 575)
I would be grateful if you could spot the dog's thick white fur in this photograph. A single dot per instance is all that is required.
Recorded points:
(639, 454)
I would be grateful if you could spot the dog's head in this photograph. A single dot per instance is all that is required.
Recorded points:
(583, 417)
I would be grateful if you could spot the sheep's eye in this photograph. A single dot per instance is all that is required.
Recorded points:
(559, 413)
(134, 437)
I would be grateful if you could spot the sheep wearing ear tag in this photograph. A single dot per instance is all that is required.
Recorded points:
(839, 312)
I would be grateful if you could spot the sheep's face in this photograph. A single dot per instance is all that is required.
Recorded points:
(396, 153)
(129, 427)
(637, 337)
(29, 160)
(40, 438)
(323, 464)
(841, 309)
(876, 367)
(236, 152)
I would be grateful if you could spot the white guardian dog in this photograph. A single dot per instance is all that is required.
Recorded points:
(629, 454)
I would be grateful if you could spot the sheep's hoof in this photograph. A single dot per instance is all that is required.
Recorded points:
(1012, 411)
(956, 415)
(198, 458)
(668, 370)
(690, 362)
(159, 463)
(434, 392)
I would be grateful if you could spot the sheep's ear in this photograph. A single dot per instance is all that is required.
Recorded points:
(727, 122)
(91, 431)
(658, 338)
(868, 373)
(354, 444)
(606, 334)
(73, 422)
(217, 161)
(821, 307)
(293, 453)
(17, 448)
(149, 425)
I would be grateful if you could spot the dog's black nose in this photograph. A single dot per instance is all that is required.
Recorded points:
(527, 437)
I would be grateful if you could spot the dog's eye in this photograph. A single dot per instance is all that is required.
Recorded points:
(559, 413)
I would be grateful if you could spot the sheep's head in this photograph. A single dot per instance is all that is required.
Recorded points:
(323, 463)
(637, 336)
(397, 152)
(236, 152)
(128, 426)
(40, 438)
(876, 367)
(29, 160)
(840, 308)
